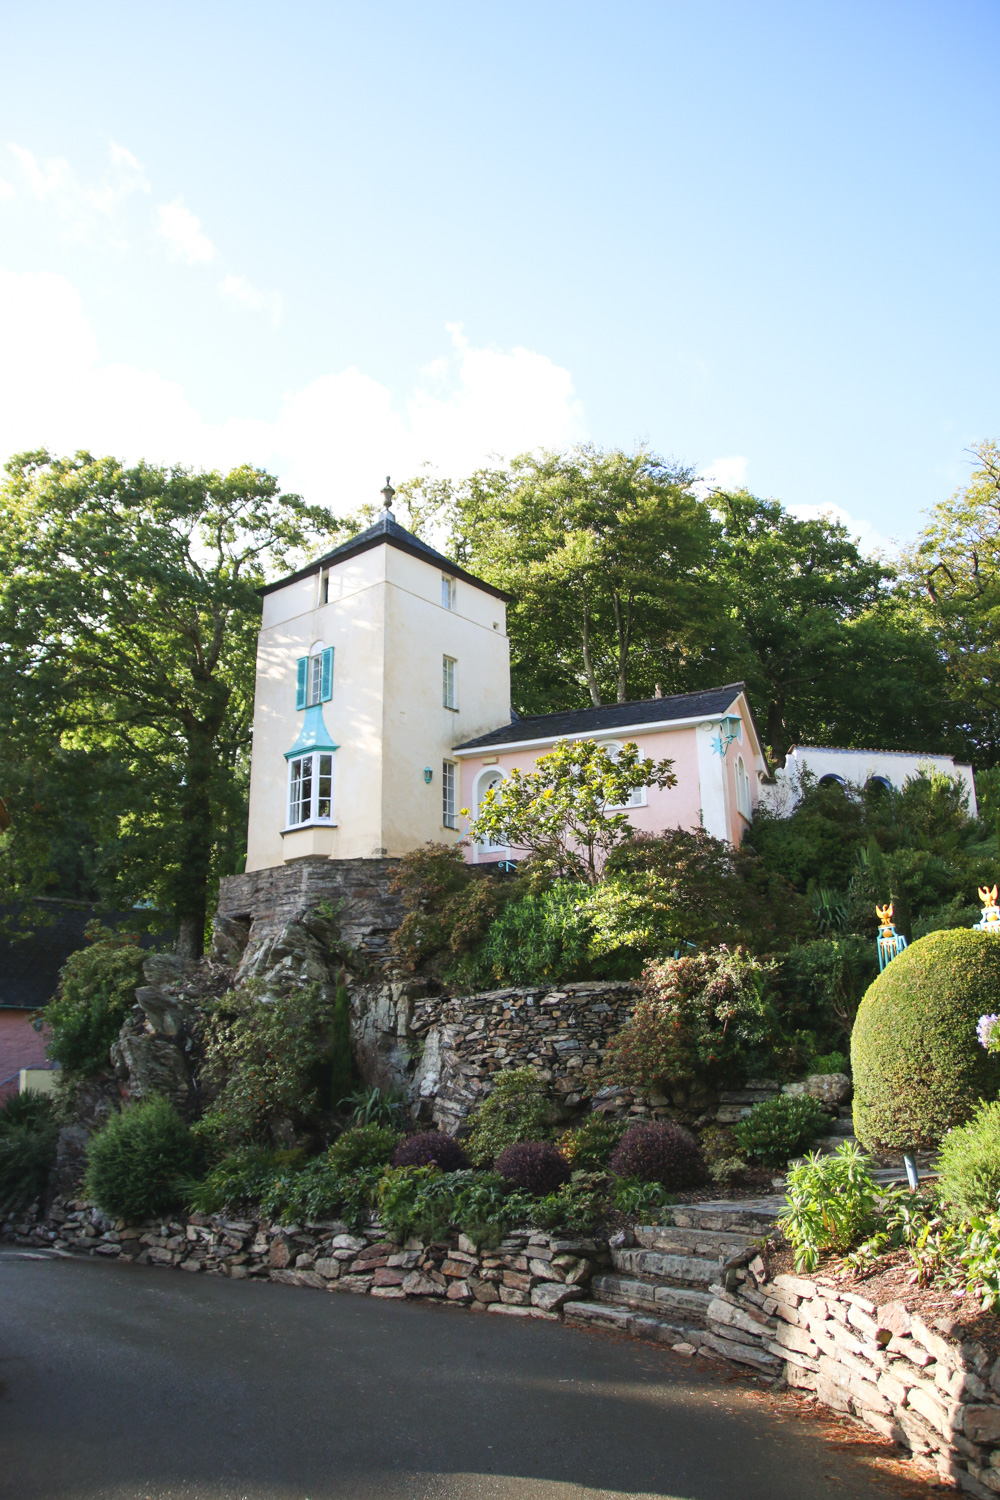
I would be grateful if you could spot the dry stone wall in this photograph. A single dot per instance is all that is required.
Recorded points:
(562, 1032)
(921, 1384)
(367, 910)
(530, 1274)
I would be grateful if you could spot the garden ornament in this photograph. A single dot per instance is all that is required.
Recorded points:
(890, 942)
(990, 919)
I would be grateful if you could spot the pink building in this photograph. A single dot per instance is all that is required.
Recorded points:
(710, 737)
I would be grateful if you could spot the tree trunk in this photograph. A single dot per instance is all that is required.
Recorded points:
(776, 732)
(195, 844)
(588, 666)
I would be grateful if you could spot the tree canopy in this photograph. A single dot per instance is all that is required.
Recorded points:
(128, 622)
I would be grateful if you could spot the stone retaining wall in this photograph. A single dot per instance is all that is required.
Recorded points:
(562, 1032)
(530, 1274)
(917, 1382)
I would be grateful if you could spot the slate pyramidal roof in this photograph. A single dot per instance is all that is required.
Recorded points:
(644, 713)
(387, 532)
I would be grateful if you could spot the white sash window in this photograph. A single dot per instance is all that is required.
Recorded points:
(310, 789)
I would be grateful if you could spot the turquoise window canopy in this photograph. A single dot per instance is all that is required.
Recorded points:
(313, 735)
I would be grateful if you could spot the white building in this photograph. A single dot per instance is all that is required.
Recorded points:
(383, 707)
(858, 768)
(372, 663)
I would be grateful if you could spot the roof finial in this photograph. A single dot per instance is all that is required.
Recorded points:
(388, 495)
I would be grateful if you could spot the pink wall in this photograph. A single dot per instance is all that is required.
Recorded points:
(674, 807)
(21, 1046)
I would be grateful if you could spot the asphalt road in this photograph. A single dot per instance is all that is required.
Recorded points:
(132, 1383)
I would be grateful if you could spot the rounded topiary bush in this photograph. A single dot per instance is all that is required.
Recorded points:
(663, 1153)
(431, 1148)
(918, 1067)
(139, 1163)
(363, 1148)
(534, 1167)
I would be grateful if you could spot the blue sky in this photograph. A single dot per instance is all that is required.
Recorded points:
(340, 240)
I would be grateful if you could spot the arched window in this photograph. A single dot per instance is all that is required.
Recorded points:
(879, 785)
(486, 781)
(743, 801)
(831, 780)
(638, 796)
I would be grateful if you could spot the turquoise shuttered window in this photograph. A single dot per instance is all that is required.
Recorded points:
(314, 678)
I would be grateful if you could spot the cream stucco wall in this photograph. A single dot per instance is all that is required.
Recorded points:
(389, 631)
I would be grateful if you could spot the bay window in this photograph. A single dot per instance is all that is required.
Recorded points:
(310, 789)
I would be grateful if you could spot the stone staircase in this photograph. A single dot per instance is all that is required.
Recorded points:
(660, 1287)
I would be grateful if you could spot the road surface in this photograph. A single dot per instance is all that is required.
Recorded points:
(133, 1383)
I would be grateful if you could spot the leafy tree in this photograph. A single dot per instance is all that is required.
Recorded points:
(605, 555)
(566, 813)
(953, 575)
(825, 652)
(128, 621)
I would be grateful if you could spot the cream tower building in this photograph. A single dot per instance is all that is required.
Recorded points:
(372, 663)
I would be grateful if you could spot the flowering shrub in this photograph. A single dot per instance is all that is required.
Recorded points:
(697, 1017)
(663, 1153)
(533, 1166)
(988, 1032)
(430, 1148)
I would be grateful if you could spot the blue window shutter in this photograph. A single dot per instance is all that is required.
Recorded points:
(301, 677)
(326, 690)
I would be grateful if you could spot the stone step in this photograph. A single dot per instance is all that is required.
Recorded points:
(638, 1324)
(827, 1144)
(843, 1126)
(700, 1270)
(716, 1244)
(687, 1304)
(752, 1216)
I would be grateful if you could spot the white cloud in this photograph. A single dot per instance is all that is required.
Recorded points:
(183, 233)
(722, 474)
(6, 191)
(868, 539)
(243, 293)
(88, 210)
(334, 440)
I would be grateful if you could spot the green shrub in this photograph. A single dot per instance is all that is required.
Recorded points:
(139, 1163)
(518, 1109)
(588, 1147)
(240, 1179)
(777, 1129)
(701, 1017)
(829, 1205)
(830, 1062)
(541, 934)
(270, 1056)
(29, 1132)
(450, 905)
(342, 1071)
(969, 1163)
(828, 978)
(96, 993)
(723, 1153)
(642, 1202)
(362, 1148)
(575, 1208)
(918, 1067)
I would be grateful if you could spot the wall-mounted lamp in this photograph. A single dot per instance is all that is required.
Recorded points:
(428, 773)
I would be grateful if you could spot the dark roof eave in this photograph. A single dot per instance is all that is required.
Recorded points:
(350, 549)
(651, 713)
